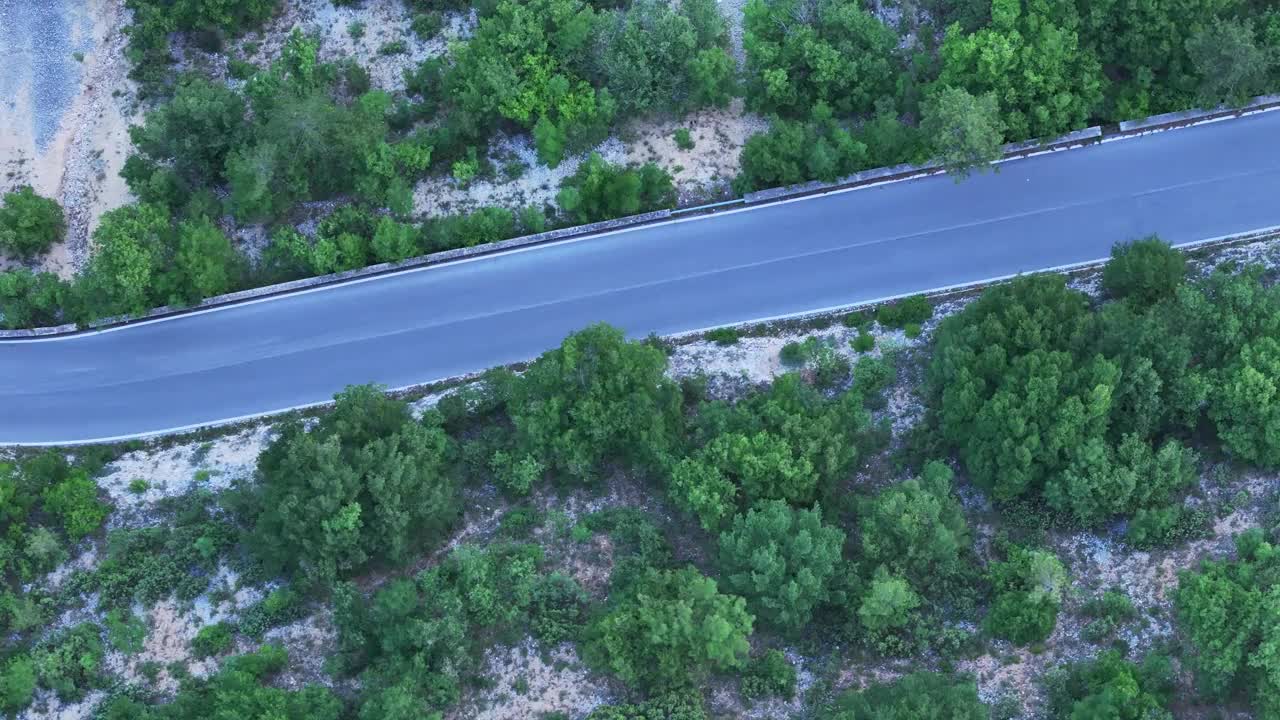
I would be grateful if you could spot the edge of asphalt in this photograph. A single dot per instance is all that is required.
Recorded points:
(1247, 236)
(750, 201)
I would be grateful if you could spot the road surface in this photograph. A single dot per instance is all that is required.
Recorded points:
(1045, 211)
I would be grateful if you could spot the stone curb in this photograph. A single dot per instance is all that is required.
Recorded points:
(1087, 136)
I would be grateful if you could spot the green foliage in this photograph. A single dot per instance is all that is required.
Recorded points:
(917, 529)
(212, 640)
(242, 689)
(1164, 526)
(683, 704)
(864, 342)
(596, 399)
(724, 336)
(918, 696)
(125, 631)
(673, 626)
(769, 675)
(1226, 56)
(887, 609)
(1146, 271)
(798, 56)
(1113, 687)
(1028, 592)
(17, 683)
(664, 56)
(782, 560)
(367, 485)
(600, 191)
(74, 500)
(1031, 59)
(68, 663)
(29, 224)
(1246, 403)
(683, 139)
(130, 245)
(279, 607)
(205, 263)
(30, 299)
(486, 224)
(793, 151)
(1230, 614)
(913, 310)
(966, 132)
(148, 564)
(413, 640)
(193, 133)
(393, 241)
(1108, 612)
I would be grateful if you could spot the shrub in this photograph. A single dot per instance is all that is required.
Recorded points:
(600, 191)
(29, 224)
(597, 398)
(558, 608)
(1028, 592)
(368, 484)
(914, 310)
(125, 631)
(724, 336)
(1111, 686)
(685, 704)
(917, 529)
(911, 330)
(795, 353)
(68, 662)
(672, 627)
(1146, 271)
(782, 560)
(769, 675)
(865, 342)
(683, 139)
(17, 683)
(74, 499)
(887, 609)
(212, 640)
(1164, 526)
(280, 606)
(918, 696)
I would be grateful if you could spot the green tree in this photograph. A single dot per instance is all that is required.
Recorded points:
(1147, 271)
(1028, 592)
(1112, 687)
(597, 398)
(918, 696)
(1228, 60)
(195, 131)
(29, 224)
(130, 247)
(1246, 404)
(393, 240)
(782, 560)
(205, 263)
(368, 484)
(74, 500)
(966, 132)
(793, 152)
(887, 607)
(30, 299)
(832, 52)
(1030, 57)
(917, 529)
(673, 626)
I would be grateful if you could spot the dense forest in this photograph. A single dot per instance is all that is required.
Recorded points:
(842, 90)
(778, 523)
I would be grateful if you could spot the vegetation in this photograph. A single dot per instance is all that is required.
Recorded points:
(29, 224)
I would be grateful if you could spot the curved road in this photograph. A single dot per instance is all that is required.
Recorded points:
(837, 249)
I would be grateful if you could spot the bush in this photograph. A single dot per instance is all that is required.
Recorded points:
(74, 500)
(1028, 592)
(918, 696)
(1226, 610)
(1152, 528)
(683, 704)
(600, 191)
(683, 139)
(368, 484)
(29, 224)
(792, 152)
(68, 662)
(595, 399)
(672, 627)
(865, 342)
(212, 640)
(32, 299)
(769, 675)
(1146, 271)
(914, 310)
(911, 330)
(125, 631)
(782, 560)
(724, 336)
(279, 607)
(1112, 687)
(17, 683)
(917, 529)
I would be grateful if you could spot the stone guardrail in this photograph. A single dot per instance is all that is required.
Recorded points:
(1087, 136)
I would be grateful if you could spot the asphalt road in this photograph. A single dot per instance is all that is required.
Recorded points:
(1040, 212)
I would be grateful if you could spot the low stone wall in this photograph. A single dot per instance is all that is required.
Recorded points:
(895, 173)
